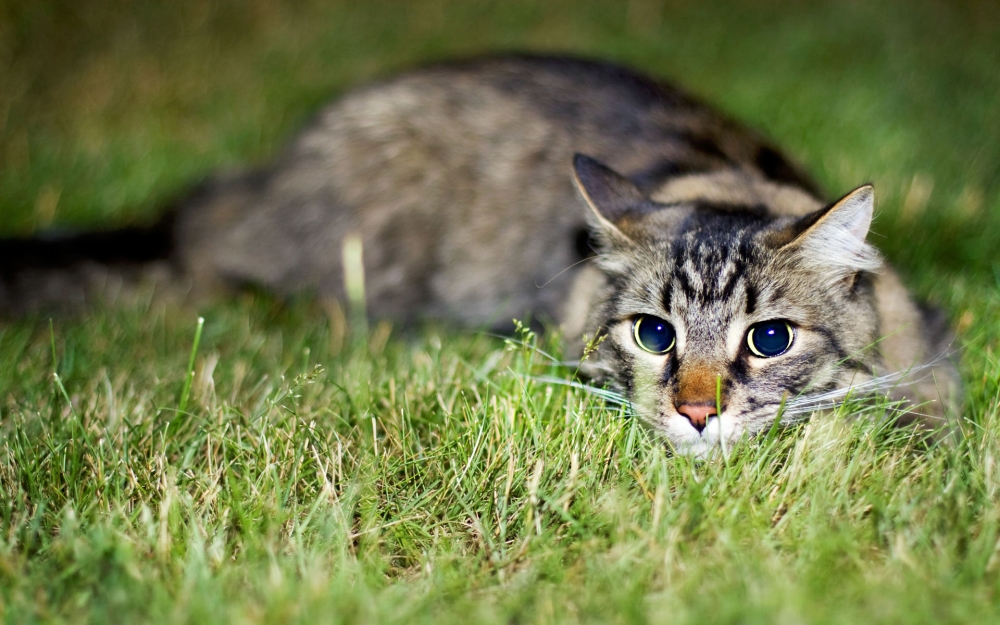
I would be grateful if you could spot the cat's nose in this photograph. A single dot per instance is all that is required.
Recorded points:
(697, 414)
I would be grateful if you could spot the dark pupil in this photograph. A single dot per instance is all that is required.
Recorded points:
(656, 335)
(771, 339)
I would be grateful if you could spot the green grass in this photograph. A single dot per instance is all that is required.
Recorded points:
(304, 474)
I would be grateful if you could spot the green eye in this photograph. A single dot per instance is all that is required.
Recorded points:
(770, 338)
(653, 334)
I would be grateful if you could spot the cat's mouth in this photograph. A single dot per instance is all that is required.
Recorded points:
(699, 447)
(718, 431)
(691, 440)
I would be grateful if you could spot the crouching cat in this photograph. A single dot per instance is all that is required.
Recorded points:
(723, 282)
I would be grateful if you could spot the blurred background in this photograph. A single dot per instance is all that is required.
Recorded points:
(110, 108)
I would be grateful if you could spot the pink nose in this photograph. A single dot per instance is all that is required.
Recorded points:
(697, 414)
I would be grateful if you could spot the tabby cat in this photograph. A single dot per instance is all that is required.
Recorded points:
(722, 282)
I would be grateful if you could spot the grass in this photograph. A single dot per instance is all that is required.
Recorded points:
(273, 467)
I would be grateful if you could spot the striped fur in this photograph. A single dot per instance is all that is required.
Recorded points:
(713, 264)
(457, 180)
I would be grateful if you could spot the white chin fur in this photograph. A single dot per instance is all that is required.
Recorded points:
(688, 441)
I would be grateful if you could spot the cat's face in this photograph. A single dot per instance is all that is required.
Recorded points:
(715, 315)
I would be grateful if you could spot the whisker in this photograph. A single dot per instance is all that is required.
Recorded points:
(579, 262)
(607, 395)
(883, 383)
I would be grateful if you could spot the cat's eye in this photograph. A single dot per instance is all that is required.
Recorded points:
(768, 339)
(653, 334)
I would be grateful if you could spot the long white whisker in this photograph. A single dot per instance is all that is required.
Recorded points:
(579, 262)
(883, 383)
(607, 395)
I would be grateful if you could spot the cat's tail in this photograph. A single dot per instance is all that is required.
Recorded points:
(58, 271)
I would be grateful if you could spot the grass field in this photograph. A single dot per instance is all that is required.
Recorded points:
(273, 468)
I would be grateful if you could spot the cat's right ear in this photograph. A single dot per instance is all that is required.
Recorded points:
(833, 239)
(615, 201)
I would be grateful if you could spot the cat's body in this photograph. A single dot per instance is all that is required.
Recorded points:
(459, 181)
(458, 178)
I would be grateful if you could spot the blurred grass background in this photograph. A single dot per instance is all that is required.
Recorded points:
(108, 109)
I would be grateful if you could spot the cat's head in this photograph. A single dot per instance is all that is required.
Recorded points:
(727, 296)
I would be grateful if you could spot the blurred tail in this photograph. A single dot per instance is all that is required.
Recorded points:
(65, 270)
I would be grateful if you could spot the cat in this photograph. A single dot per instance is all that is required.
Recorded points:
(716, 283)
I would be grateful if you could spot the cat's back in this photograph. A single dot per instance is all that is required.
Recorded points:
(646, 128)
(457, 178)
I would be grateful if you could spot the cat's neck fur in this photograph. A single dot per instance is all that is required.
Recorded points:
(737, 187)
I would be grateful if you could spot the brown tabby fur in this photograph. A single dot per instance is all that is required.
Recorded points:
(460, 181)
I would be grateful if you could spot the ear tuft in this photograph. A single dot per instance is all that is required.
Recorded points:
(855, 210)
(833, 239)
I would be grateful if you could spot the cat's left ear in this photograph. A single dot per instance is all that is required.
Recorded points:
(616, 202)
(833, 238)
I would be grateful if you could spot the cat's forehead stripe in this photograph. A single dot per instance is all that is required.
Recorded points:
(711, 265)
(751, 299)
(667, 296)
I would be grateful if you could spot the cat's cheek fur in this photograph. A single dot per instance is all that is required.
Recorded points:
(653, 403)
(752, 403)
(648, 395)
